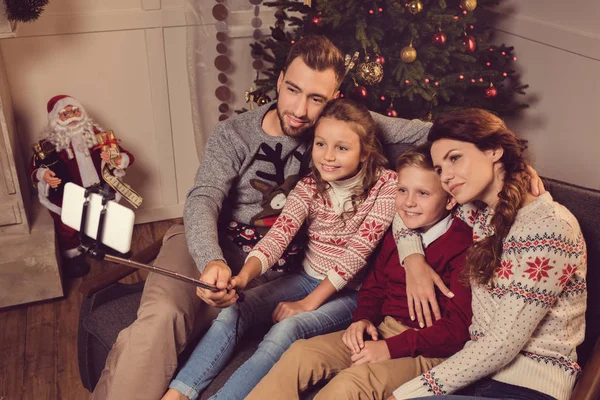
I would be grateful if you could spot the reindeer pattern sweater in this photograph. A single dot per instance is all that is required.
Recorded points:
(246, 175)
(527, 325)
(337, 248)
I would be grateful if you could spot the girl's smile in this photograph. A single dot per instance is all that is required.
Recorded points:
(336, 150)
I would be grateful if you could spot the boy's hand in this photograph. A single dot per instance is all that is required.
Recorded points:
(286, 309)
(420, 290)
(353, 337)
(372, 352)
(217, 273)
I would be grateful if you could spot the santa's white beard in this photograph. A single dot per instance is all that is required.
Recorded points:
(60, 135)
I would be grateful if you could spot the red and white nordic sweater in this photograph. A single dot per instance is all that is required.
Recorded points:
(337, 248)
(527, 325)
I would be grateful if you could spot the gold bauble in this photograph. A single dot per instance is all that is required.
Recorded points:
(408, 54)
(369, 73)
(415, 7)
(468, 5)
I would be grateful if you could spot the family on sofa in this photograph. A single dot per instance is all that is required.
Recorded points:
(465, 213)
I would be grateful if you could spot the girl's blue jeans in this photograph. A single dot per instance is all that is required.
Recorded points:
(218, 344)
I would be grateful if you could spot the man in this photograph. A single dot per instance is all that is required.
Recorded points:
(69, 152)
(250, 164)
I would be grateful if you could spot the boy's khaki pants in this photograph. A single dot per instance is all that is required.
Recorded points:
(324, 357)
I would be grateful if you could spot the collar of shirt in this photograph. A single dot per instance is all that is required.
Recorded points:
(436, 231)
(340, 192)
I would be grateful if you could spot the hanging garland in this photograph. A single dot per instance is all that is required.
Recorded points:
(24, 10)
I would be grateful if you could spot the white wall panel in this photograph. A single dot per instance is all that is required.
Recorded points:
(558, 50)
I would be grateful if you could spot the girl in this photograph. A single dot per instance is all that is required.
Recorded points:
(527, 271)
(348, 203)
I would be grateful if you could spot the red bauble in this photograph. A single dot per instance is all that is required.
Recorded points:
(391, 113)
(469, 44)
(439, 38)
(490, 92)
(360, 92)
(380, 60)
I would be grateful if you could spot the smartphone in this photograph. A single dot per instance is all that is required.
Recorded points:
(118, 221)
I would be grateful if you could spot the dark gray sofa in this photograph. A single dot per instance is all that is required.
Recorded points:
(109, 307)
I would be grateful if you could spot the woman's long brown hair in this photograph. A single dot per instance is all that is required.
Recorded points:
(487, 131)
(360, 121)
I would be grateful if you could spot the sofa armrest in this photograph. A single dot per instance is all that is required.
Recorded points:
(588, 387)
(107, 278)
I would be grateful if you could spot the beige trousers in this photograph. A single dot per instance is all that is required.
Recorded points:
(308, 362)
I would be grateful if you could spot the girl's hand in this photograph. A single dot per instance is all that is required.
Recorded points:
(421, 280)
(238, 282)
(353, 337)
(372, 352)
(536, 186)
(286, 309)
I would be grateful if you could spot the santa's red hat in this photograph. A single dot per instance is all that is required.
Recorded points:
(59, 103)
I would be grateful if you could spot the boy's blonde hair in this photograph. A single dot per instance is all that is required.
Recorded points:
(418, 157)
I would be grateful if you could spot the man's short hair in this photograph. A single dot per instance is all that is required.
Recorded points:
(320, 54)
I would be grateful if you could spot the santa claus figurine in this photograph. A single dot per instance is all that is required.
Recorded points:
(70, 152)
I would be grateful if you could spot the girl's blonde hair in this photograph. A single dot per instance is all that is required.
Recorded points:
(487, 131)
(361, 122)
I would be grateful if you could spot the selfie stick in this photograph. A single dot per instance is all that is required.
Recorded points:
(98, 251)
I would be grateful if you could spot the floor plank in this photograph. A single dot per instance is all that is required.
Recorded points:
(41, 346)
(38, 342)
(12, 350)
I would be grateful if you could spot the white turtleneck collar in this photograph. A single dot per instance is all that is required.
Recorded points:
(340, 192)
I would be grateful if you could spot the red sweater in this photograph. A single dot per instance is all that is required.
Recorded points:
(383, 293)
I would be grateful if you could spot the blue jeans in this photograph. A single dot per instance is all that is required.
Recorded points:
(217, 346)
(490, 389)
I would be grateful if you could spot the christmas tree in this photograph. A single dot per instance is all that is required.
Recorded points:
(412, 59)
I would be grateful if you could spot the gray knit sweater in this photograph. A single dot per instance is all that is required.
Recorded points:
(246, 175)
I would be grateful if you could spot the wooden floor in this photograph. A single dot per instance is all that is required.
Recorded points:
(38, 342)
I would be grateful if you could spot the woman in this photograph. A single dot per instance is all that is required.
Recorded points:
(527, 270)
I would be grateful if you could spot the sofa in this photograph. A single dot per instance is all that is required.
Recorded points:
(108, 307)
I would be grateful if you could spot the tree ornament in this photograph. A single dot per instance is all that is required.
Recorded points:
(491, 92)
(360, 92)
(391, 113)
(263, 99)
(469, 44)
(408, 54)
(439, 38)
(415, 7)
(380, 59)
(369, 73)
(468, 5)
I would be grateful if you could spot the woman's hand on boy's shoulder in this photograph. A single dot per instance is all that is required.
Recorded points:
(536, 186)
(421, 281)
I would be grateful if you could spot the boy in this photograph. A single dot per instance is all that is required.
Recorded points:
(398, 350)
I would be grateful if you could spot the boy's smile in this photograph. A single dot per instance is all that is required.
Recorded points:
(421, 201)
